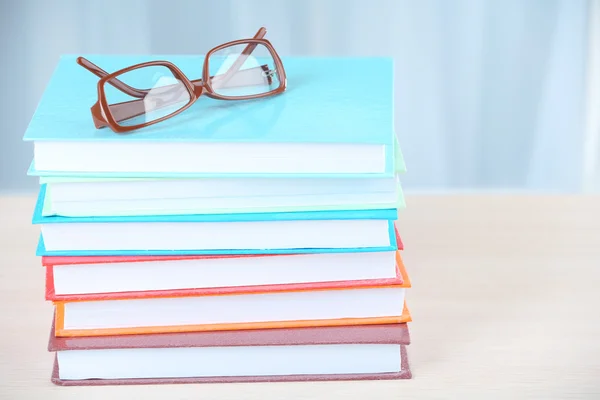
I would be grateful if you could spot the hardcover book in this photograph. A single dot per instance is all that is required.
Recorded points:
(318, 127)
(123, 197)
(294, 354)
(113, 278)
(301, 308)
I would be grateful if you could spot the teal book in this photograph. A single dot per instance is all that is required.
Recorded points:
(336, 119)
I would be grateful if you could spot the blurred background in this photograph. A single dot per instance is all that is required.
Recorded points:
(495, 95)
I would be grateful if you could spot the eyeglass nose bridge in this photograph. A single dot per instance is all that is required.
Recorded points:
(199, 89)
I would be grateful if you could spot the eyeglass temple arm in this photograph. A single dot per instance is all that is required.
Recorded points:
(100, 73)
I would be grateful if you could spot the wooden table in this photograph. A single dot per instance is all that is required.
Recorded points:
(505, 302)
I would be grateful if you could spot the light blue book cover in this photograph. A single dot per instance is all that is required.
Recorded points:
(345, 100)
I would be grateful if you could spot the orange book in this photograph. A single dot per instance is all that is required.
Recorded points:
(61, 331)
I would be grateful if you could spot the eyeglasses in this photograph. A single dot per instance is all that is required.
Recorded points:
(147, 93)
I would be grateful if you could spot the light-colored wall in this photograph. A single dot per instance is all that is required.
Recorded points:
(489, 94)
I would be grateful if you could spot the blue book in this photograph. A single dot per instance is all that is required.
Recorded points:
(335, 119)
(252, 233)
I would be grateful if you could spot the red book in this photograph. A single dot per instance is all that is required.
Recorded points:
(112, 278)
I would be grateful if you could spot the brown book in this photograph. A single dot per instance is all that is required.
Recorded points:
(287, 354)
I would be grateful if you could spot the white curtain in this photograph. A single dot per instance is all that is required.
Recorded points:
(490, 94)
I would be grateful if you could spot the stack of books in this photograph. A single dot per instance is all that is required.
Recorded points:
(239, 241)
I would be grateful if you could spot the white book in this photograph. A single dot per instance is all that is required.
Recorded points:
(106, 197)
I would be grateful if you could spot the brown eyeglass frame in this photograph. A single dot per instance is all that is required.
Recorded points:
(104, 114)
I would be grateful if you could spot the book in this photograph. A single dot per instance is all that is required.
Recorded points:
(296, 354)
(81, 197)
(111, 278)
(300, 308)
(262, 233)
(318, 127)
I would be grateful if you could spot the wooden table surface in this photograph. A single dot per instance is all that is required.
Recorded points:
(505, 303)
